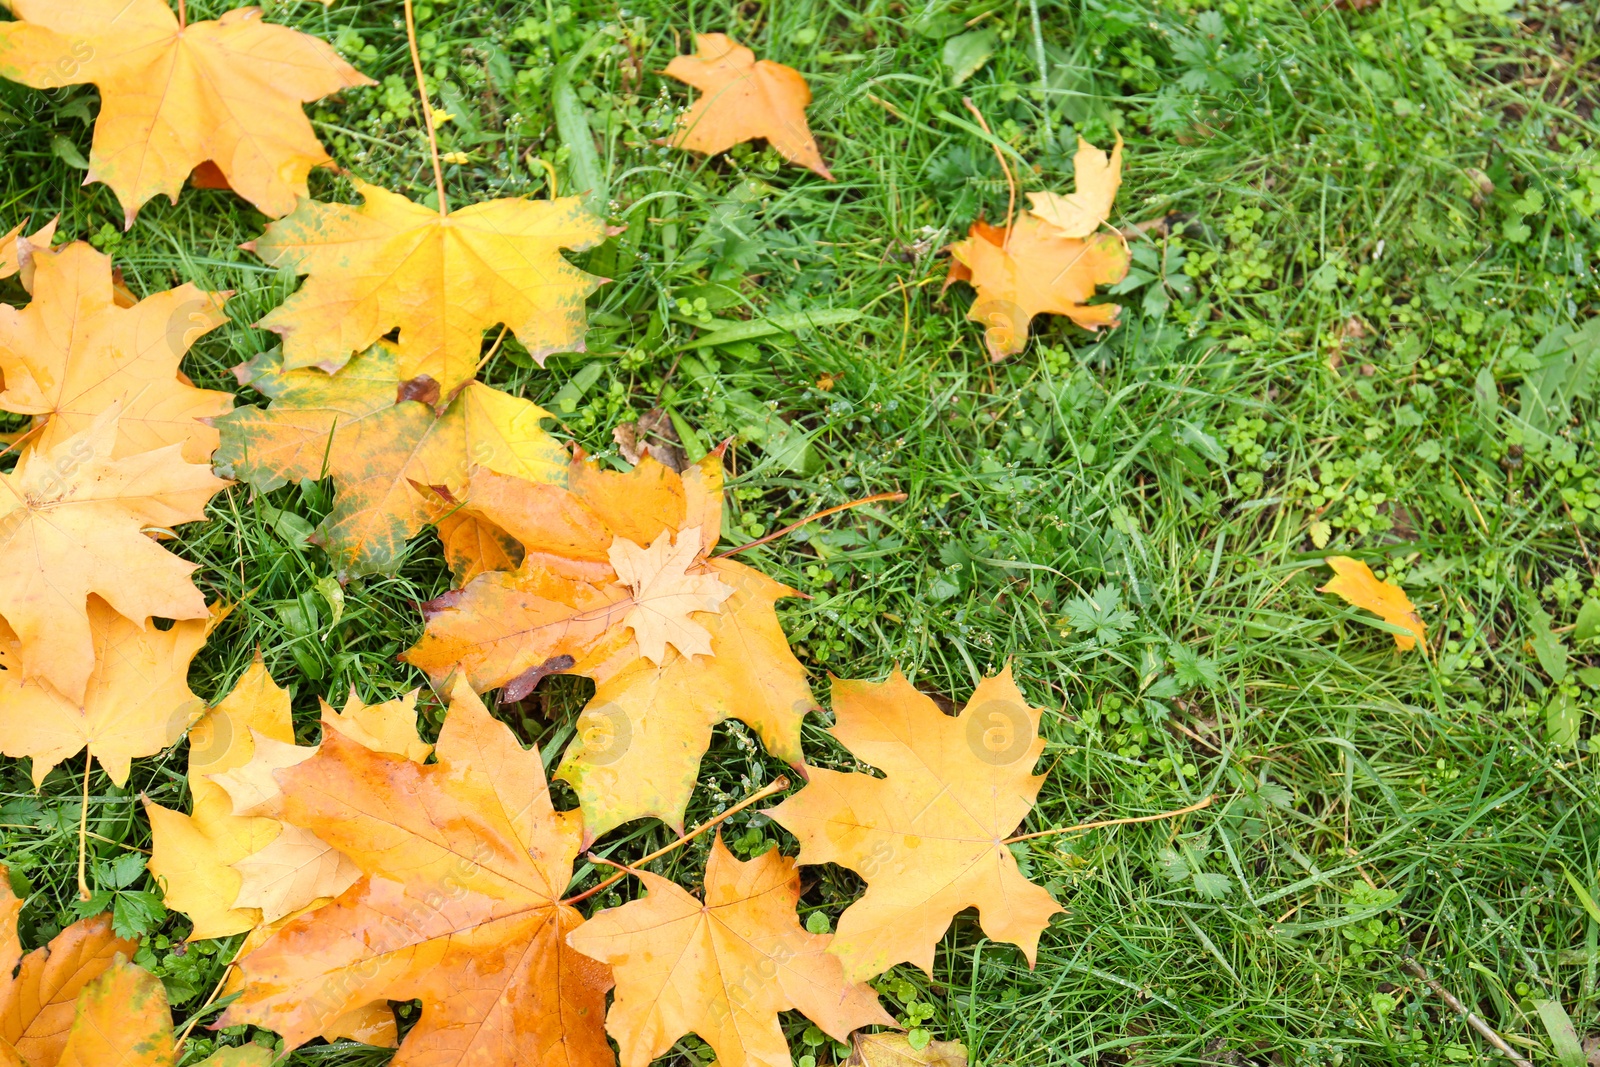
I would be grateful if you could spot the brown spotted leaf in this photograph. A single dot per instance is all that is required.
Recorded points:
(365, 428)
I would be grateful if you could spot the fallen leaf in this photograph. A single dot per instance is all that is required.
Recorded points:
(10, 253)
(928, 837)
(666, 595)
(37, 998)
(722, 969)
(122, 1019)
(380, 437)
(894, 1050)
(741, 99)
(1354, 581)
(1030, 269)
(464, 862)
(72, 352)
(72, 523)
(232, 91)
(1080, 213)
(137, 701)
(192, 855)
(640, 738)
(440, 280)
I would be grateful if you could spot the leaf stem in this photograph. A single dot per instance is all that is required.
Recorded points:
(427, 108)
(1414, 969)
(757, 797)
(1005, 168)
(774, 535)
(1206, 803)
(183, 15)
(83, 827)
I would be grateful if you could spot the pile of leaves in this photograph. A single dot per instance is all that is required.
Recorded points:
(373, 868)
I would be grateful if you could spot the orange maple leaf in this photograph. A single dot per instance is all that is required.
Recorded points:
(73, 521)
(1354, 581)
(380, 437)
(231, 93)
(464, 862)
(72, 352)
(742, 99)
(929, 836)
(1030, 268)
(37, 998)
(569, 608)
(442, 280)
(722, 969)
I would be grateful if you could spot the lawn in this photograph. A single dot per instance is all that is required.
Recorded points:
(1361, 322)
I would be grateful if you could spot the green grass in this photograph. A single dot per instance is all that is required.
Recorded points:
(1373, 221)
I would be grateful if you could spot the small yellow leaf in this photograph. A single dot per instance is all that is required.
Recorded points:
(1354, 581)
(1097, 178)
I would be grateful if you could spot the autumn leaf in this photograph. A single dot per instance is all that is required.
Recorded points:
(1354, 581)
(1080, 213)
(722, 969)
(742, 98)
(136, 703)
(928, 837)
(616, 584)
(73, 521)
(10, 250)
(231, 864)
(37, 998)
(122, 1019)
(464, 862)
(192, 855)
(1029, 269)
(72, 352)
(895, 1050)
(232, 91)
(380, 437)
(440, 280)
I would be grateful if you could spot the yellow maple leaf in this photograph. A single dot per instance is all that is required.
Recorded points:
(231, 94)
(742, 98)
(1080, 213)
(722, 968)
(73, 522)
(192, 855)
(929, 836)
(136, 703)
(1029, 269)
(1354, 581)
(73, 351)
(442, 280)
